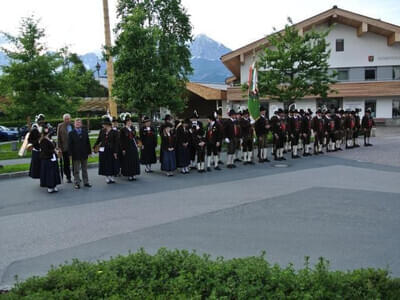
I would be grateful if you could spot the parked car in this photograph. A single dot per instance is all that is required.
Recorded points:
(6, 134)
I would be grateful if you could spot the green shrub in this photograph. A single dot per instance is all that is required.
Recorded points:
(184, 275)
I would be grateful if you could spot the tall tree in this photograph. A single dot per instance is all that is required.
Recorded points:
(294, 65)
(152, 56)
(31, 81)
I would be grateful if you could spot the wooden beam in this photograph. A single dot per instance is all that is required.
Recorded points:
(242, 58)
(363, 28)
(393, 38)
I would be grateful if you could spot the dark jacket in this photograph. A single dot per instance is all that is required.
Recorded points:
(261, 126)
(109, 140)
(79, 144)
(246, 129)
(213, 133)
(47, 149)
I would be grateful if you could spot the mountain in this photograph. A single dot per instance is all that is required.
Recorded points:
(207, 67)
(206, 53)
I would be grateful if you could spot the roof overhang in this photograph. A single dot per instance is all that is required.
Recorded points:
(207, 91)
(363, 24)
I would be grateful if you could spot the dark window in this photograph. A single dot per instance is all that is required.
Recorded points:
(371, 104)
(339, 45)
(370, 74)
(396, 73)
(343, 75)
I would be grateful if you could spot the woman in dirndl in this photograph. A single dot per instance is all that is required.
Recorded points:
(49, 170)
(168, 163)
(182, 146)
(34, 139)
(148, 139)
(130, 166)
(107, 146)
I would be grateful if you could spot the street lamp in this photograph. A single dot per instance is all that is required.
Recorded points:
(98, 69)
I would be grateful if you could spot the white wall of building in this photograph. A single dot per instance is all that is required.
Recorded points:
(353, 103)
(357, 49)
(384, 107)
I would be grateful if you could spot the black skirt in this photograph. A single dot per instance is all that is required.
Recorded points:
(168, 161)
(130, 162)
(34, 169)
(49, 174)
(108, 165)
(148, 155)
(183, 157)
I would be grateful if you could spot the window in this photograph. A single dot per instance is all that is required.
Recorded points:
(370, 74)
(396, 73)
(331, 103)
(343, 75)
(339, 45)
(371, 104)
(396, 108)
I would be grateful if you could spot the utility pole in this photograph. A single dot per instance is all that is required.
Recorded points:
(110, 69)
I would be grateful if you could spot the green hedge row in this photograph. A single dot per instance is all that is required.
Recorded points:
(184, 275)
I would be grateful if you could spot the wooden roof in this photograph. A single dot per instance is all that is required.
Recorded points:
(344, 89)
(208, 91)
(96, 105)
(232, 60)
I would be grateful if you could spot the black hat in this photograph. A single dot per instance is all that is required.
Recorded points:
(231, 112)
(106, 120)
(125, 117)
(219, 111)
(302, 111)
(262, 108)
(368, 110)
(195, 115)
(318, 111)
(211, 117)
(167, 117)
(146, 119)
(246, 112)
(39, 118)
(309, 111)
(357, 110)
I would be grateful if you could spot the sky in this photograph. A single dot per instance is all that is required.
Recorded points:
(79, 25)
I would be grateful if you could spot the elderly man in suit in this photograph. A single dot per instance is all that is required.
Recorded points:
(79, 149)
(63, 130)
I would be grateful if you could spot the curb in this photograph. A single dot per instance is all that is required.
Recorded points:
(26, 173)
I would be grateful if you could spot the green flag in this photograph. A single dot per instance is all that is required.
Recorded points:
(254, 101)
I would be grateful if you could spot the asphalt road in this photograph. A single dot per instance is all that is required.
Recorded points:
(342, 206)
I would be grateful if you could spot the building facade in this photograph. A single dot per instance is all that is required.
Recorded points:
(365, 53)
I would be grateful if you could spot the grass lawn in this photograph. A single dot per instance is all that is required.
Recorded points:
(25, 167)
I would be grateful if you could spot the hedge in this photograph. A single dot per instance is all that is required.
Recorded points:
(186, 275)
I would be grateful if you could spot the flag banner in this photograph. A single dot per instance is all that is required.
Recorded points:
(253, 101)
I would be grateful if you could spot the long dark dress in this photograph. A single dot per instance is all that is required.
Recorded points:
(168, 162)
(49, 170)
(148, 137)
(182, 151)
(34, 169)
(108, 142)
(130, 161)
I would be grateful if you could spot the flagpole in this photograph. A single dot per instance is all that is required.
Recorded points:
(110, 68)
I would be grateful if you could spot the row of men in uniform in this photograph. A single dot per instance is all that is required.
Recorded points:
(188, 144)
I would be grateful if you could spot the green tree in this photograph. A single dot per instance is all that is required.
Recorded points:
(152, 56)
(31, 81)
(294, 65)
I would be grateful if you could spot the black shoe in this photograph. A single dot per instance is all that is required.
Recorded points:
(282, 158)
(229, 166)
(221, 162)
(88, 185)
(250, 163)
(208, 169)
(217, 168)
(69, 180)
(321, 152)
(237, 160)
(267, 160)
(261, 160)
(245, 163)
(370, 145)
(233, 166)
(339, 149)
(356, 146)
(77, 186)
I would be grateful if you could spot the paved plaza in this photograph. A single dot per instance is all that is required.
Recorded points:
(344, 206)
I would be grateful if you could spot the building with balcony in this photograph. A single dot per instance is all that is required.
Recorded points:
(365, 52)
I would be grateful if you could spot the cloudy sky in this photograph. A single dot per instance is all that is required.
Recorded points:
(79, 23)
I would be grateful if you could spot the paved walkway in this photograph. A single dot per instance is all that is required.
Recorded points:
(331, 205)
